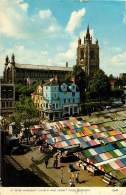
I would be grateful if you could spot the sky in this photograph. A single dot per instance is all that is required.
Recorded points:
(46, 31)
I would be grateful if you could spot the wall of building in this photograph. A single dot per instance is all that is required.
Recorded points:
(62, 98)
(7, 98)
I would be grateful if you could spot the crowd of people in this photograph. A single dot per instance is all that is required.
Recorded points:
(73, 174)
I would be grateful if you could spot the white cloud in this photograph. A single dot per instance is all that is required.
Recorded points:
(75, 20)
(119, 59)
(13, 18)
(24, 6)
(15, 21)
(53, 28)
(26, 55)
(116, 50)
(70, 53)
(83, 1)
(112, 60)
(45, 13)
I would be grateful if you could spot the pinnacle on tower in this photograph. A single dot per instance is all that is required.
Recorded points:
(6, 60)
(97, 41)
(13, 59)
(88, 33)
(79, 41)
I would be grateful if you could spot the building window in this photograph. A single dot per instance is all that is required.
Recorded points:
(7, 104)
(56, 105)
(75, 109)
(73, 94)
(53, 106)
(73, 100)
(10, 104)
(66, 109)
(81, 54)
(64, 100)
(3, 104)
(46, 105)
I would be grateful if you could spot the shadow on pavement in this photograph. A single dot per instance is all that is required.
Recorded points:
(11, 177)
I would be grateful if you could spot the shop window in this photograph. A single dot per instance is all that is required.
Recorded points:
(3, 104)
(75, 109)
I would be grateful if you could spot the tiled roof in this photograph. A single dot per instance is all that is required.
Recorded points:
(51, 82)
(43, 67)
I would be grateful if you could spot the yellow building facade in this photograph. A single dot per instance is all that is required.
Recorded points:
(37, 98)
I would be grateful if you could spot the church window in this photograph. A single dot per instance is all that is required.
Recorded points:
(82, 54)
(92, 54)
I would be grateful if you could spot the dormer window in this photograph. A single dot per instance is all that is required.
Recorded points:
(64, 87)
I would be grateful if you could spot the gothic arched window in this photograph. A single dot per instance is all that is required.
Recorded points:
(92, 54)
(81, 54)
(9, 75)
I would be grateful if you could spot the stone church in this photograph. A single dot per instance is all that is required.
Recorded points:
(88, 54)
(87, 58)
(28, 73)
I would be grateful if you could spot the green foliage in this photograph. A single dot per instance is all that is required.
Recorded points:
(80, 80)
(99, 86)
(25, 90)
(25, 111)
(67, 78)
(117, 93)
(111, 77)
(93, 106)
(121, 183)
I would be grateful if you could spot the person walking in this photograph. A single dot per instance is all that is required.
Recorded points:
(62, 175)
(32, 159)
(73, 180)
(70, 182)
(46, 162)
(77, 177)
(56, 162)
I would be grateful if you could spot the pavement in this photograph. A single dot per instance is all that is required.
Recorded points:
(52, 175)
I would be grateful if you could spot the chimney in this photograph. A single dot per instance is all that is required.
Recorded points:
(66, 64)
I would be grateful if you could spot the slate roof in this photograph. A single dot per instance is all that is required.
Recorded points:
(43, 67)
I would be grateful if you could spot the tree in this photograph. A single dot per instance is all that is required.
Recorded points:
(117, 93)
(111, 77)
(25, 90)
(80, 80)
(121, 183)
(99, 85)
(25, 111)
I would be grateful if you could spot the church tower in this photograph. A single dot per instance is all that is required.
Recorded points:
(9, 69)
(88, 54)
